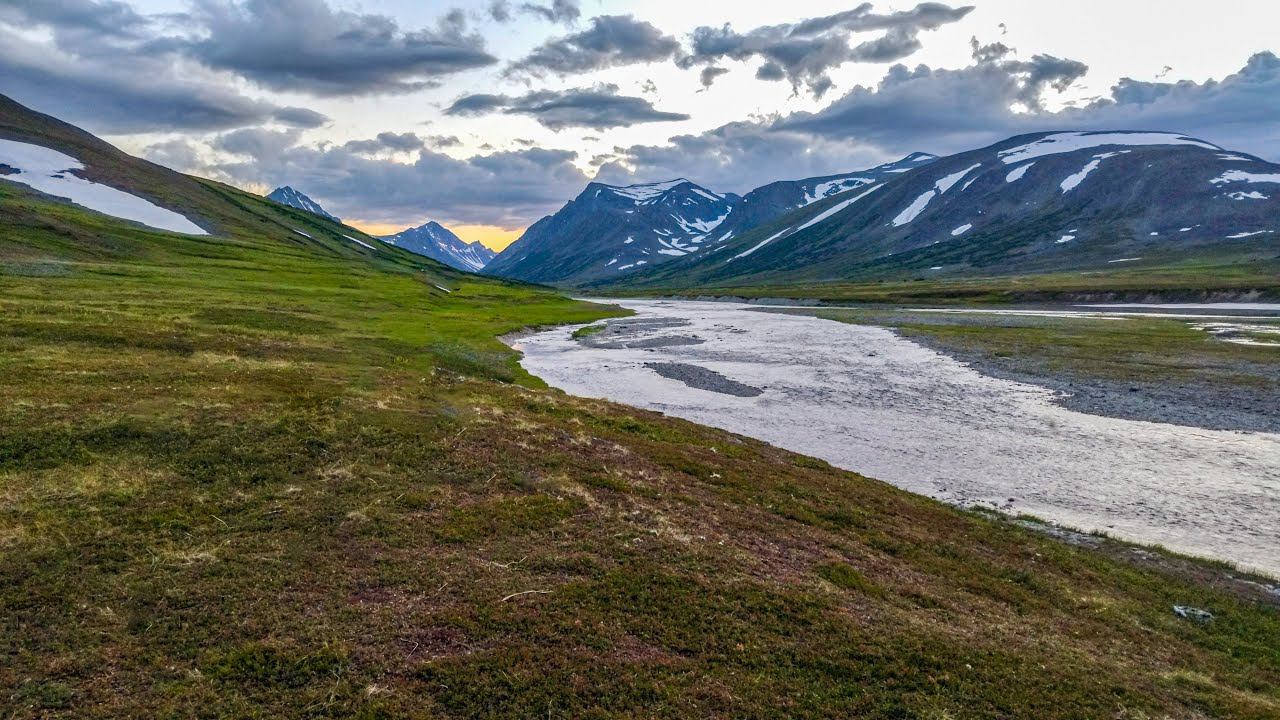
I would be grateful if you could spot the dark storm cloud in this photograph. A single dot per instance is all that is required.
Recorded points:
(131, 93)
(307, 46)
(102, 68)
(610, 41)
(806, 51)
(598, 108)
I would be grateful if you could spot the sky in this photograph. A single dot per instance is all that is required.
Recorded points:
(486, 115)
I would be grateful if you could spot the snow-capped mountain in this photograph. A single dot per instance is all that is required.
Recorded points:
(609, 230)
(439, 243)
(295, 199)
(1048, 202)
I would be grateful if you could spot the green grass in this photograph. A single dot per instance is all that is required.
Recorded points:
(1182, 279)
(243, 477)
(588, 331)
(1137, 349)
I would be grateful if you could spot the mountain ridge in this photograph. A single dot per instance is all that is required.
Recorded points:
(434, 240)
(610, 229)
(286, 195)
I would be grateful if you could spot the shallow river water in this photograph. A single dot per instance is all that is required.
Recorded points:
(866, 400)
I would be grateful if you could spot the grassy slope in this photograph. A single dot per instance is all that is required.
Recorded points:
(1137, 349)
(246, 477)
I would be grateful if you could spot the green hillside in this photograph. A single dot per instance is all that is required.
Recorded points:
(264, 475)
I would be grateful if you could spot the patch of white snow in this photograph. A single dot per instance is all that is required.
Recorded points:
(1059, 143)
(48, 171)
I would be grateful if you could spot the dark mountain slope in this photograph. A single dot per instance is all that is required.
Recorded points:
(609, 230)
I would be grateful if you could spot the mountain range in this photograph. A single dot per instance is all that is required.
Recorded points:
(431, 240)
(610, 231)
(438, 242)
(1041, 203)
(1034, 204)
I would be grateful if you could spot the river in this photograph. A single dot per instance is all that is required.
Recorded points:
(866, 400)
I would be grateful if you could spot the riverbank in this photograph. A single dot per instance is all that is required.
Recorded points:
(865, 400)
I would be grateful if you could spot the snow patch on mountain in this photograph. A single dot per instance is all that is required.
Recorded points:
(646, 192)
(1235, 176)
(1018, 173)
(759, 245)
(824, 190)
(950, 181)
(914, 209)
(838, 207)
(1073, 181)
(1059, 143)
(358, 241)
(54, 173)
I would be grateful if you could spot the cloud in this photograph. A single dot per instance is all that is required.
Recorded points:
(951, 110)
(509, 189)
(709, 74)
(102, 84)
(737, 157)
(559, 11)
(942, 110)
(610, 41)
(806, 51)
(97, 66)
(300, 117)
(387, 142)
(306, 46)
(255, 142)
(178, 154)
(440, 142)
(598, 108)
(77, 19)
